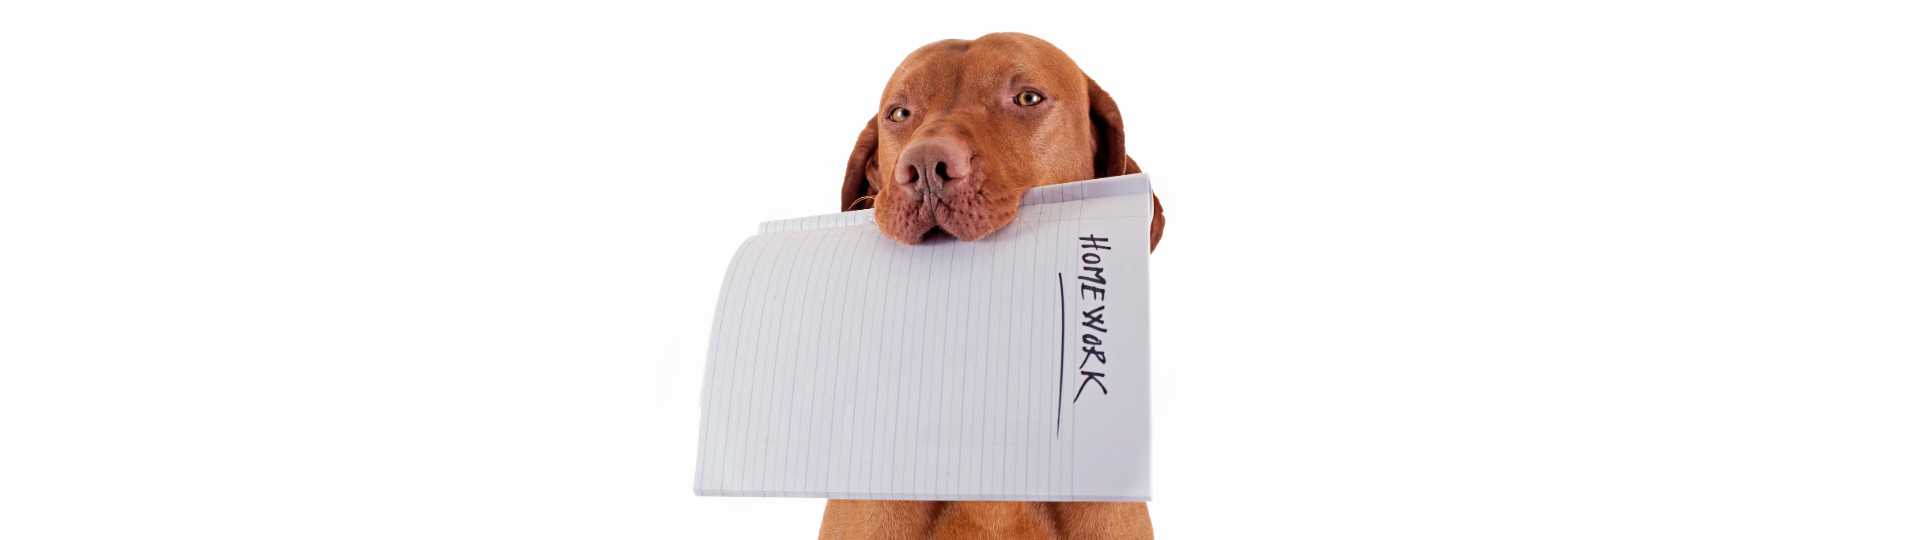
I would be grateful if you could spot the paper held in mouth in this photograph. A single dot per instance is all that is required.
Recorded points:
(845, 365)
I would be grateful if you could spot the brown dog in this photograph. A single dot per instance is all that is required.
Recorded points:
(964, 129)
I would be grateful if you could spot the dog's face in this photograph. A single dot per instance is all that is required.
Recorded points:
(964, 128)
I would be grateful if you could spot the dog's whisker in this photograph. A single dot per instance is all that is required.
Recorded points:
(856, 202)
(1023, 221)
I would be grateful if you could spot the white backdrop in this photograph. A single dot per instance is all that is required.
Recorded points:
(443, 269)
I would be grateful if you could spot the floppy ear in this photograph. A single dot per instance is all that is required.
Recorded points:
(1109, 136)
(858, 186)
(1110, 151)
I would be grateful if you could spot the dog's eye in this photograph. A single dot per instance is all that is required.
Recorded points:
(1028, 98)
(899, 114)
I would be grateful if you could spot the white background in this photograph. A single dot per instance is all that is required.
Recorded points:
(1487, 270)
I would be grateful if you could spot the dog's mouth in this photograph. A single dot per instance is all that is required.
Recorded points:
(965, 209)
(935, 234)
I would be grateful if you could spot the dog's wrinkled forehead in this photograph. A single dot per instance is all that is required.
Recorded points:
(946, 72)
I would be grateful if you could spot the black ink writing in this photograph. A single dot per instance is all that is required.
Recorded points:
(1061, 280)
(1097, 278)
(1091, 378)
(1093, 353)
(1096, 318)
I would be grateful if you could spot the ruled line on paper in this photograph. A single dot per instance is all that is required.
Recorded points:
(845, 365)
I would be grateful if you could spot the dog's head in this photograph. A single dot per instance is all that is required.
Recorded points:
(965, 128)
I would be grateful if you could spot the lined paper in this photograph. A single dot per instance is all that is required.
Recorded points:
(842, 364)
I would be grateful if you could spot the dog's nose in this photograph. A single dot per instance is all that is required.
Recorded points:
(927, 166)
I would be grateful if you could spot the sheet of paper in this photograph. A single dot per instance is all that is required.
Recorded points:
(843, 364)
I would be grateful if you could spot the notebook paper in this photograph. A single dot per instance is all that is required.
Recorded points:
(843, 364)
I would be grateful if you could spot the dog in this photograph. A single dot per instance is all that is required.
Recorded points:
(964, 128)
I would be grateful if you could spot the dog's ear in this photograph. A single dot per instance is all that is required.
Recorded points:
(1110, 150)
(857, 191)
(1109, 136)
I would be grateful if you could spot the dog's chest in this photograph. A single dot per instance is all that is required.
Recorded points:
(1007, 520)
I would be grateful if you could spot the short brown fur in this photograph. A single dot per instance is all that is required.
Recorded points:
(959, 91)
